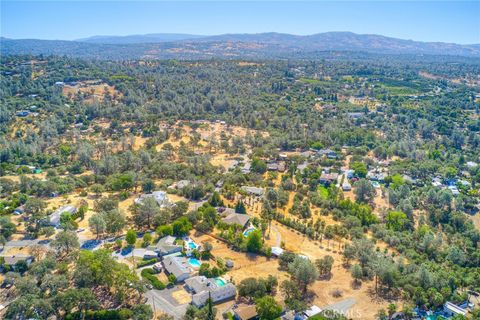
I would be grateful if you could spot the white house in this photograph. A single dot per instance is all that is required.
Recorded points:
(54, 219)
(452, 309)
(160, 197)
(178, 266)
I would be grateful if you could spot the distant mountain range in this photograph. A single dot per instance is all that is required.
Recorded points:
(142, 38)
(261, 45)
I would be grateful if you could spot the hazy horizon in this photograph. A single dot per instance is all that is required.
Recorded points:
(434, 21)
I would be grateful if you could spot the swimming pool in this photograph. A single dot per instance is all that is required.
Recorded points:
(192, 245)
(247, 232)
(220, 282)
(194, 262)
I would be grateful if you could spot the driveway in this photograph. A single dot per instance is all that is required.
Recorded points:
(341, 307)
(26, 243)
(162, 300)
(278, 235)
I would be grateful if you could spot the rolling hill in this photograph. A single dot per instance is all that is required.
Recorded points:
(261, 45)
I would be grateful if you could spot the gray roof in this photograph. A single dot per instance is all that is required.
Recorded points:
(253, 190)
(217, 294)
(237, 218)
(159, 196)
(177, 266)
(166, 245)
(200, 283)
(55, 216)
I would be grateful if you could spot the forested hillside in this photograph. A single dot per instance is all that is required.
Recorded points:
(363, 169)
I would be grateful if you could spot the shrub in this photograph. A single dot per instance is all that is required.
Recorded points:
(148, 274)
(144, 263)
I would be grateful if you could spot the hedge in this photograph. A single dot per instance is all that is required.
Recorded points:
(121, 314)
(148, 274)
(144, 263)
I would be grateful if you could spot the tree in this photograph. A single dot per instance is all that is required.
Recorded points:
(215, 200)
(293, 296)
(97, 224)
(131, 237)
(258, 166)
(181, 226)
(303, 271)
(114, 220)
(360, 169)
(146, 211)
(396, 220)
(324, 265)
(240, 207)
(364, 191)
(142, 312)
(268, 308)
(7, 228)
(148, 186)
(65, 242)
(349, 253)
(356, 272)
(254, 241)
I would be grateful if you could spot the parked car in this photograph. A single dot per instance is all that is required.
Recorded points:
(157, 267)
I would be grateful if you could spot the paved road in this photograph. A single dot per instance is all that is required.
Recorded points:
(26, 243)
(156, 299)
(341, 307)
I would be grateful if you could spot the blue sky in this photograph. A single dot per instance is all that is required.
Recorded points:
(448, 21)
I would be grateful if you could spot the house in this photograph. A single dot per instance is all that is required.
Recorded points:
(282, 167)
(13, 259)
(178, 266)
(450, 309)
(18, 210)
(160, 197)
(217, 293)
(22, 113)
(355, 115)
(328, 178)
(182, 184)
(245, 312)
(198, 284)
(310, 312)
(346, 186)
(375, 175)
(272, 166)
(246, 168)
(237, 218)
(277, 251)
(454, 190)
(302, 166)
(276, 166)
(436, 182)
(54, 219)
(330, 154)
(225, 212)
(471, 164)
(144, 254)
(166, 245)
(254, 191)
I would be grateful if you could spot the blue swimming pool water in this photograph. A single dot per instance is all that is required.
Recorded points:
(192, 245)
(220, 282)
(194, 262)
(247, 232)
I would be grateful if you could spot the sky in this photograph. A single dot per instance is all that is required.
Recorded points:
(445, 21)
